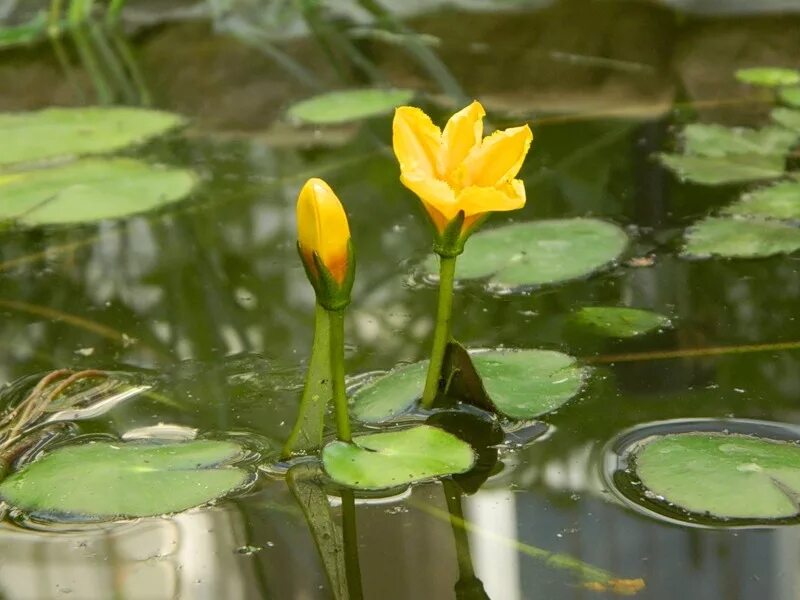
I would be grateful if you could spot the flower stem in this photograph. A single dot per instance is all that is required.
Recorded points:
(441, 334)
(336, 320)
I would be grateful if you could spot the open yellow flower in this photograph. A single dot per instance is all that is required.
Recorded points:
(458, 169)
(323, 239)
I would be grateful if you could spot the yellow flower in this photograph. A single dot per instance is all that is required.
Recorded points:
(322, 228)
(458, 169)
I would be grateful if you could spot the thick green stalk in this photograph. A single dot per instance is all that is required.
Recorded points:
(350, 543)
(441, 333)
(336, 320)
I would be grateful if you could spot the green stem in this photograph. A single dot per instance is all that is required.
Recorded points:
(452, 495)
(441, 334)
(336, 320)
(350, 543)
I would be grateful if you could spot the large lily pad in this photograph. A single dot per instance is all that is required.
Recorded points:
(539, 253)
(779, 201)
(790, 96)
(768, 76)
(788, 117)
(99, 481)
(702, 139)
(735, 168)
(723, 475)
(349, 105)
(386, 460)
(620, 322)
(521, 384)
(90, 190)
(741, 238)
(62, 132)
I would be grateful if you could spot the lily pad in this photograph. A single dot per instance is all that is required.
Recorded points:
(387, 460)
(768, 76)
(619, 322)
(539, 253)
(521, 384)
(729, 476)
(779, 201)
(735, 168)
(740, 238)
(349, 105)
(788, 117)
(66, 132)
(702, 139)
(100, 481)
(90, 190)
(790, 96)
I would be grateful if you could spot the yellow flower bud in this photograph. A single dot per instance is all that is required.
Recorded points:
(322, 228)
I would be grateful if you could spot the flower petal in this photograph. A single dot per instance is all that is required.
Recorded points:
(462, 133)
(438, 198)
(416, 140)
(476, 200)
(499, 157)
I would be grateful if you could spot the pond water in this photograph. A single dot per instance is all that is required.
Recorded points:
(205, 303)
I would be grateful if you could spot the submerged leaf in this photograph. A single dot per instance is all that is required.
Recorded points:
(735, 168)
(66, 132)
(349, 105)
(701, 139)
(779, 201)
(539, 252)
(99, 481)
(386, 460)
(90, 190)
(619, 321)
(768, 76)
(742, 238)
(723, 475)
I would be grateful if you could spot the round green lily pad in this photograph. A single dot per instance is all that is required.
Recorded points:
(348, 105)
(91, 189)
(539, 252)
(790, 96)
(387, 460)
(702, 139)
(779, 201)
(768, 76)
(740, 238)
(788, 117)
(65, 132)
(520, 384)
(619, 322)
(100, 481)
(731, 168)
(729, 476)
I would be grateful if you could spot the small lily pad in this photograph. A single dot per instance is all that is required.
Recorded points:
(788, 117)
(728, 476)
(740, 238)
(790, 96)
(387, 460)
(619, 322)
(735, 168)
(349, 105)
(779, 201)
(702, 139)
(539, 252)
(521, 384)
(90, 190)
(768, 76)
(66, 132)
(99, 481)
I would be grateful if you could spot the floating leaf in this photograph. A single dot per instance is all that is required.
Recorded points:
(717, 140)
(735, 168)
(348, 105)
(787, 117)
(724, 475)
(742, 238)
(539, 252)
(790, 96)
(521, 384)
(62, 132)
(621, 322)
(116, 480)
(386, 460)
(779, 201)
(768, 76)
(90, 190)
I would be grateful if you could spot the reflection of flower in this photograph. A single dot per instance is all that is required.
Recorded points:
(458, 169)
(322, 229)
